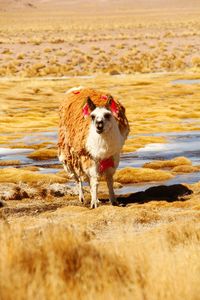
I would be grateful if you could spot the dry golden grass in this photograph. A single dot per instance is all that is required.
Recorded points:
(145, 112)
(175, 162)
(9, 162)
(185, 169)
(77, 261)
(135, 175)
(43, 154)
(149, 250)
(20, 175)
(30, 168)
(59, 42)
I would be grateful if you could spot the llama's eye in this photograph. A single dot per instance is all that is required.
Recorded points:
(107, 116)
(93, 117)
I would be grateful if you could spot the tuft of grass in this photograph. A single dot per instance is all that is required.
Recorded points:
(133, 175)
(196, 61)
(185, 169)
(7, 51)
(36, 41)
(160, 164)
(9, 162)
(43, 154)
(60, 52)
(21, 56)
(47, 50)
(14, 175)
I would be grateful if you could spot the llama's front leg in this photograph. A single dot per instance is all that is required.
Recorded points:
(109, 181)
(94, 190)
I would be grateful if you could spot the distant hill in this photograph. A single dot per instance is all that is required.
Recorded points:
(110, 5)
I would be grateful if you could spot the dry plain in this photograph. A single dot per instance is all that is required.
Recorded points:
(51, 246)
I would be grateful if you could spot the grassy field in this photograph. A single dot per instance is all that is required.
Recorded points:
(60, 43)
(52, 246)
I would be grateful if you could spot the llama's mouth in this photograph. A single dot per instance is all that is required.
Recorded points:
(100, 130)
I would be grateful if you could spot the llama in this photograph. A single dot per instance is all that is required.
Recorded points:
(92, 131)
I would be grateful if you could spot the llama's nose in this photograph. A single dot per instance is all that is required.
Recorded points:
(99, 125)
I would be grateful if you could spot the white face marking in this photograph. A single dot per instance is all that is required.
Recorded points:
(101, 119)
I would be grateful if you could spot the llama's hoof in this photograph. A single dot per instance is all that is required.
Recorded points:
(81, 199)
(94, 204)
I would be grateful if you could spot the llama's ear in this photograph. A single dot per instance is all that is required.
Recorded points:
(88, 107)
(112, 105)
(91, 104)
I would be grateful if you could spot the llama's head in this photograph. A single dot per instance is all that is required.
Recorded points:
(102, 117)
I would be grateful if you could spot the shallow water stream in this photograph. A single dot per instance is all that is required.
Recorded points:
(178, 144)
(186, 81)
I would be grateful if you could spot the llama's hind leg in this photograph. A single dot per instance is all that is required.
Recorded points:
(109, 181)
(72, 174)
(81, 194)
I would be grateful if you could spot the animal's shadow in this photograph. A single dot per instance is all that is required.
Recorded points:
(170, 193)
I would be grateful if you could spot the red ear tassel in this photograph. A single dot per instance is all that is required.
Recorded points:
(85, 110)
(114, 108)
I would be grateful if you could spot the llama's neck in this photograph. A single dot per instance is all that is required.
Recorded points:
(104, 145)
